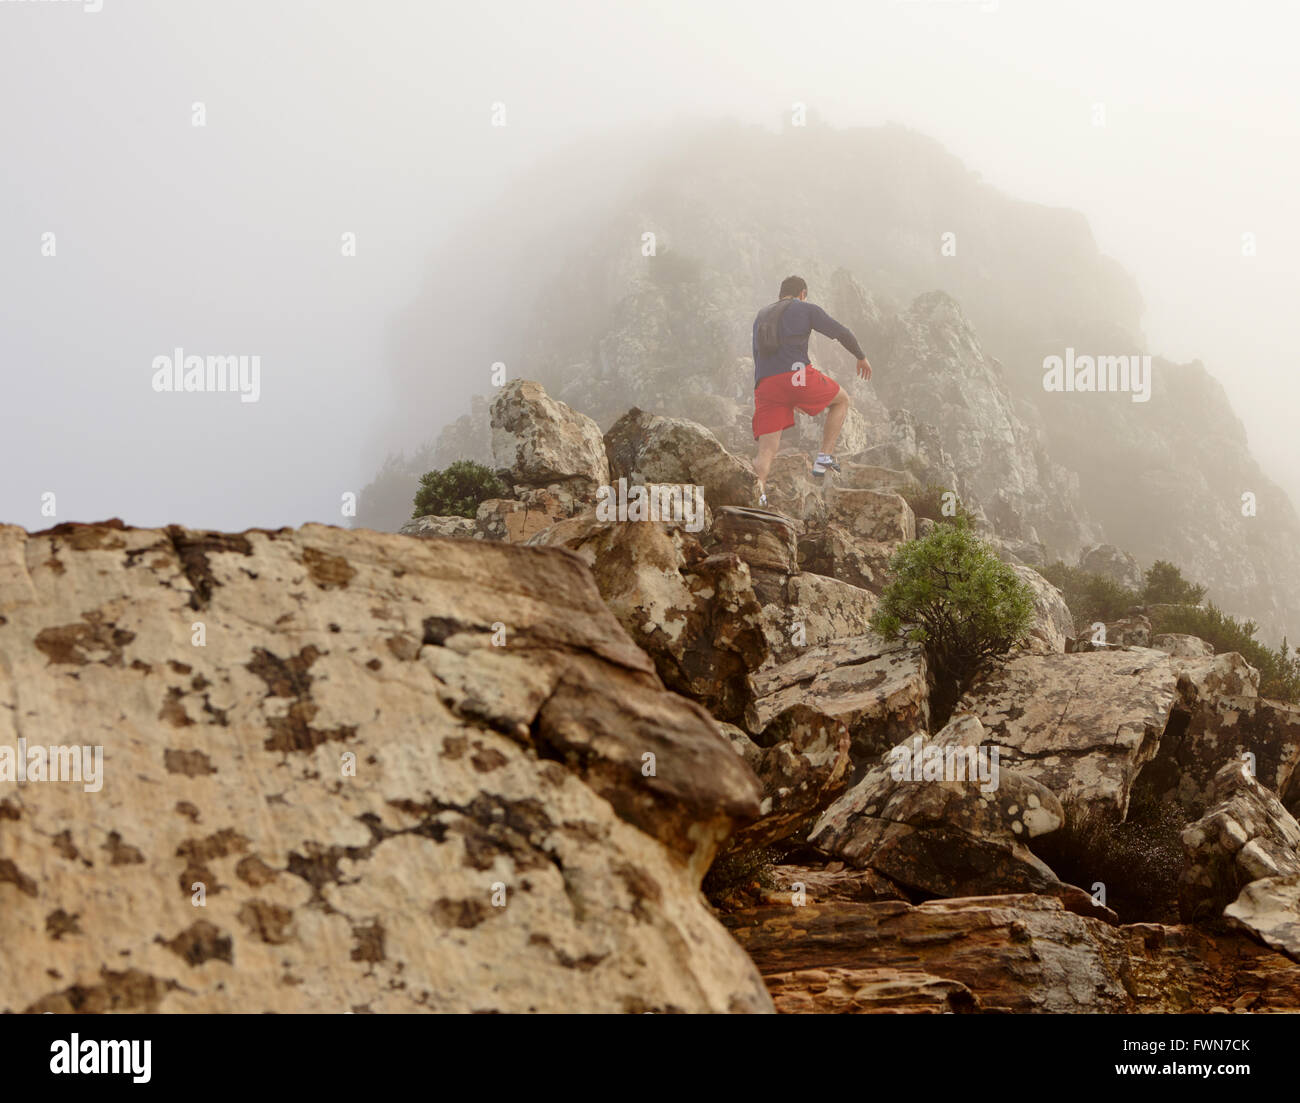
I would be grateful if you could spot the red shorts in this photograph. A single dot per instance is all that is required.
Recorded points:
(778, 396)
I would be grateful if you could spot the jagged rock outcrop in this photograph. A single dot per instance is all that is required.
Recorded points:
(1245, 836)
(405, 774)
(695, 614)
(545, 450)
(1220, 717)
(1113, 563)
(802, 771)
(880, 690)
(647, 448)
(940, 816)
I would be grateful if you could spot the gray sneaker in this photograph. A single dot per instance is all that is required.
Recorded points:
(824, 463)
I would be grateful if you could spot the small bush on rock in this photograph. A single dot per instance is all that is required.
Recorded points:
(951, 593)
(457, 490)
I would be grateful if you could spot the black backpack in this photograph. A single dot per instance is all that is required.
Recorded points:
(769, 326)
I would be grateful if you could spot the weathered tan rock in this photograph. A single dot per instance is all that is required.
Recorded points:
(1052, 624)
(647, 448)
(460, 528)
(1218, 718)
(1015, 953)
(1270, 909)
(791, 488)
(801, 771)
(880, 690)
(761, 538)
(879, 516)
(358, 776)
(843, 990)
(1083, 725)
(1130, 631)
(1182, 646)
(538, 441)
(1245, 836)
(512, 520)
(695, 614)
(805, 610)
(960, 833)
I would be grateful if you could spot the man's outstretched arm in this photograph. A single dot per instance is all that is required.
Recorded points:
(824, 323)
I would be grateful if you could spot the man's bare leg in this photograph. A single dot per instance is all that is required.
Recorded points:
(836, 412)
(768, 444)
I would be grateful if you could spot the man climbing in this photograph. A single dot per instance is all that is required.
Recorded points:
(784, 381)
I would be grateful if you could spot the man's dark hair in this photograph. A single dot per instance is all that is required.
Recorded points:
(793, 286)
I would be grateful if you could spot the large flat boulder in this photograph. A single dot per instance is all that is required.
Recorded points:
(346, 770)
(1083, 725)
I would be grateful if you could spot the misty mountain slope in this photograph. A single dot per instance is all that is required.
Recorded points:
(733, 209)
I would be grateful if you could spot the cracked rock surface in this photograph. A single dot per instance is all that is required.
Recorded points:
(397, 774)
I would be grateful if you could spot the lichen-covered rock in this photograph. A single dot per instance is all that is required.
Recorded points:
(761, 538)
(1052, 624)
(538, 441)
(880, 690)
(647, 448)
(459, 528)
(802, 767)
(1245, 836)
(1182, 646)
(1083, 725)
(695, 614)
(512, 520)
(346, 770)
(957, 830)
(1220, 718)
(806, 610)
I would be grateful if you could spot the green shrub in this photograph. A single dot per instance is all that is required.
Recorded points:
(1091, 597)
(457, 490)
(951, 593)
(1165, 585)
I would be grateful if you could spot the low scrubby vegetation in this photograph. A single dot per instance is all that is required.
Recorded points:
(457, 490)
(1173, 604)
(952, 594)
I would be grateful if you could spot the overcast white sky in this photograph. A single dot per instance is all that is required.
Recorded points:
(328, 116)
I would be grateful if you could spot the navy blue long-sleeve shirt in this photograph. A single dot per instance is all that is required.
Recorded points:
(797, 323)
